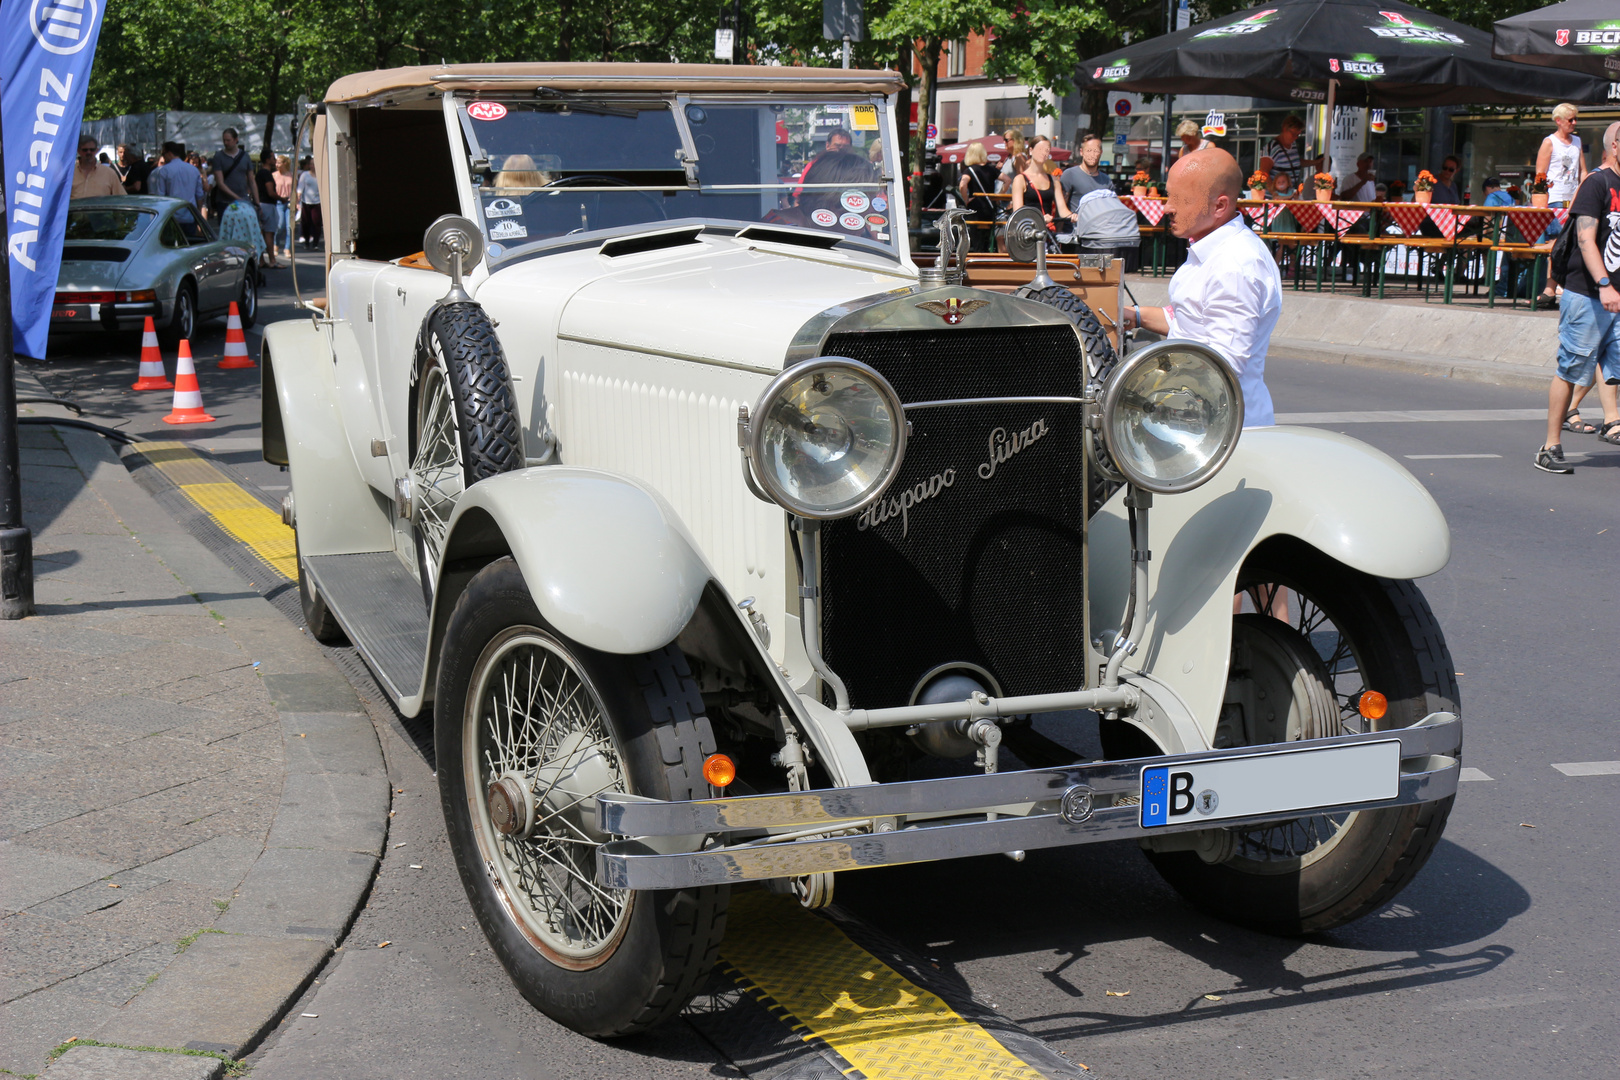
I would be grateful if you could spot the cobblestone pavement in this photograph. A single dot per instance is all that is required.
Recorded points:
(142, 769)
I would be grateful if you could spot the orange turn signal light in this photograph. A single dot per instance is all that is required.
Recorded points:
(719, 770)
(1373, 705)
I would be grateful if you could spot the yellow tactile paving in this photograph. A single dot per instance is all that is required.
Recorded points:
(883, 1024)
(232, 509)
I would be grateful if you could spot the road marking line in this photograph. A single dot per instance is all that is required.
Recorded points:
(1409, 416)
(235, 511)
(1474, 774)
(1447, 457)
(886, 1026)
(1588, 768)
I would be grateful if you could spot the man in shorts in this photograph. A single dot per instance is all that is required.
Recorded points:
(1589, 310)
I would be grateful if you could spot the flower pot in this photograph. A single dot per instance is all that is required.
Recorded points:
(1323, 196)
(1139, 192)
(1153, 193)
(1422, 196)
(1257, 194)
(1539, 200)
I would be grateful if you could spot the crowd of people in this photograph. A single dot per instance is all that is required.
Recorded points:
(258, 204)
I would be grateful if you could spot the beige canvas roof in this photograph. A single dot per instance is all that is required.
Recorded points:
(689, 78)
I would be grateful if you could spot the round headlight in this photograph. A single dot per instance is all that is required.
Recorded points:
(826, 437)
(1171, 416)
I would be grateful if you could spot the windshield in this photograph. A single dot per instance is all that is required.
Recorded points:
(107, 224)
(548, 169)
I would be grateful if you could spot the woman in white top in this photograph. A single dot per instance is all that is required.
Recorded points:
(1561, 158)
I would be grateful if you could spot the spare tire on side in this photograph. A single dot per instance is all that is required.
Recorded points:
(464, 423)
(1100, 361)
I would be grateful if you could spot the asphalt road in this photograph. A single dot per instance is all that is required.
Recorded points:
(1502, 959)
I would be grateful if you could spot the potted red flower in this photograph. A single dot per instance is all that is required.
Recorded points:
(1323, 182)
(1539, 189)
(1423, 187)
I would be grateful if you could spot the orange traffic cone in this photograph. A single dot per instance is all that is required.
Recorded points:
(152, 376)
(236, 354)
(188, 406)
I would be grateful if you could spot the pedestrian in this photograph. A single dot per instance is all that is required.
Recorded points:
(1228, 294)
(977, 182)
(90, 177)
(1562, 160)
(1589, 309)
(232, 171)
(308, 190)
(132, 170)
(1444, 191)
(1015, 162)
(1192, 138)
(264, 181)
(284, 191)
(1034, 185)
(177, 178)
(1285, 151)
(1280, 186)
(1102, 221)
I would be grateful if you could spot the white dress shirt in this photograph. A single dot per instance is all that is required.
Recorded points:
(1228, 295)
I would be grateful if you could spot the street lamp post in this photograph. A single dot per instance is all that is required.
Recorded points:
(16, 541)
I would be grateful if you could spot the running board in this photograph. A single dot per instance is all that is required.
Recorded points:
(379, 605)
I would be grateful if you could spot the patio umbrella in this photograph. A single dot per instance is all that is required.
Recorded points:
(1353, 52)
(1581, 35)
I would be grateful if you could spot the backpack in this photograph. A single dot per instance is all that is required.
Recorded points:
(1564, 249)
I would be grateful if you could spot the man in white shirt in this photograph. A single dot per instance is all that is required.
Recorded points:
(1228, 294)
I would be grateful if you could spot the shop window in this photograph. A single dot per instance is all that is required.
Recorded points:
(1004, 114)
(950, 115)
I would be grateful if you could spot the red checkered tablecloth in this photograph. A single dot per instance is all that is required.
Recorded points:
(1308, 214)
(1409, 216)
(1263, 215)
(1150, 208)
(1345, 220)
(1533, 221)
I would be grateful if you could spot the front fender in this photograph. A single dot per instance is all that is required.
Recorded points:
(1341, 496)
(608, 561)
(302, 428)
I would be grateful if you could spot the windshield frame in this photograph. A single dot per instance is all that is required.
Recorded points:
(477, 163)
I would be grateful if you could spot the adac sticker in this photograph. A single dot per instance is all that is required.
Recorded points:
(500, 208)
(507, 230)
(877, 221)
(852, 222)
(880, 204)
(825, 218)
(486, 110)
(855, 202)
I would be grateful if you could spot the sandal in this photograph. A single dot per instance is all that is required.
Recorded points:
(1609, 432)
(1573, 422)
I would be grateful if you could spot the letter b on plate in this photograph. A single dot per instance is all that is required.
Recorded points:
(1166, 795)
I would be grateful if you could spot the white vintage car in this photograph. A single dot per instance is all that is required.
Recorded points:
(726, 544)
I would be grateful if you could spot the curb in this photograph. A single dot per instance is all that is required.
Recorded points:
(1513, 376)
(233, 984)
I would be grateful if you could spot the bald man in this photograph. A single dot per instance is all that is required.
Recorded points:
(1228, 293)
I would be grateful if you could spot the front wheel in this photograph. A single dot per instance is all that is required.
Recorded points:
(1347, 633)
(529, 727)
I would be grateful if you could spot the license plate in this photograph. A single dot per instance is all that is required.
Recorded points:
(1280, 781)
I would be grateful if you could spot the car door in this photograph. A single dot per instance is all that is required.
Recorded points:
(215, 264)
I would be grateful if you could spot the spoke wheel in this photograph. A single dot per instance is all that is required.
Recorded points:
(438, 474)
(1346, 632)
(528, 728)
(535, 722)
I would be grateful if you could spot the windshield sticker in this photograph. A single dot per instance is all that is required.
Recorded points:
(504, 208)
(825, 218)
(880, 204)
(855, 202)
(863, 118)
(877, 221)
(507, 230)
(852, 222)
(496, 251)
(486, 110)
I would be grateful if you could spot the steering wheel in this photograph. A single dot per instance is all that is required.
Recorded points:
(581, 179)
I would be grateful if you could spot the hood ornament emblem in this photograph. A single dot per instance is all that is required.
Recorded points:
(953, 310)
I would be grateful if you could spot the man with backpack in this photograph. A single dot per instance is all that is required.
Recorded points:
(1586, 261)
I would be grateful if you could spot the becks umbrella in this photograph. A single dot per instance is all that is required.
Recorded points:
(1580, 35)
(1319, 51)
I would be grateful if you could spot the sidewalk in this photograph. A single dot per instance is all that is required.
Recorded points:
(194, 799)
(1457, 341)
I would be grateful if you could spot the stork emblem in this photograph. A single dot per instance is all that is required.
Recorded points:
(953, 310)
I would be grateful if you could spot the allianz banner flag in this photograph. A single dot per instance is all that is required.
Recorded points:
(46, 47)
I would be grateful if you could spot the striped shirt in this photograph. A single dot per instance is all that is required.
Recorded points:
(1287, 158)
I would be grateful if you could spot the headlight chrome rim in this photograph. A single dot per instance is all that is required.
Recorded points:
(755, 446)
(1122, 377)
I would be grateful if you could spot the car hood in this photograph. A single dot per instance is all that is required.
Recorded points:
(739, 302)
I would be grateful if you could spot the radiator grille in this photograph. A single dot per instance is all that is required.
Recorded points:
(984, 570)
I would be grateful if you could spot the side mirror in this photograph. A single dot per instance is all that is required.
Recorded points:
(452, 244)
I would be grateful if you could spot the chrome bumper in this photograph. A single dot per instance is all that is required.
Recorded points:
(1038, 808)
